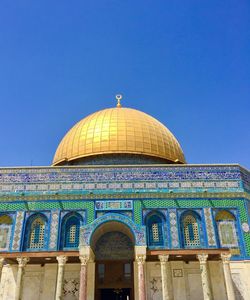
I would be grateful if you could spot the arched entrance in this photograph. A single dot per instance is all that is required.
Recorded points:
(113, 246)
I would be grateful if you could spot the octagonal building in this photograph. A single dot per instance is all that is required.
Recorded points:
(121, 215)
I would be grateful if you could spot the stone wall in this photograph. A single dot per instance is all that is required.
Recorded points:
(40, 281)
(8, 282)
(241, 278)
(186, 280)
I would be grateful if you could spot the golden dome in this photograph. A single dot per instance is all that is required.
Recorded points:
(118, 130)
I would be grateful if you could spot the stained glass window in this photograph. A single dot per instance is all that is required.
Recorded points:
(191, 231)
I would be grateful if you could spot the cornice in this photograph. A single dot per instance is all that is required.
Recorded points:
(135, 196)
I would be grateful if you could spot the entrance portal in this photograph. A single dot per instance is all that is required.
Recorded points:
(114, 254)
(115, 294)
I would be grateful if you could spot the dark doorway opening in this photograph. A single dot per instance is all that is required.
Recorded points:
(114, 280)
(115, 294)
(114, 254)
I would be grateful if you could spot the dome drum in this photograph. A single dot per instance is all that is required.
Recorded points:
(116, 159)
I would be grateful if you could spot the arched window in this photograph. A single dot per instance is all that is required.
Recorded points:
(226, 229)
(71, 230)
(190, 230)
(36, 229)
(5, 232)
(155, 230)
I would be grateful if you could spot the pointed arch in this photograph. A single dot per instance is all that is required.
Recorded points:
(36, 232)
(70, 230)
(226, 229)
(5, 219)
(5, 231)
(138, 232)
(191, 229)
(155, 229)
(224, 215)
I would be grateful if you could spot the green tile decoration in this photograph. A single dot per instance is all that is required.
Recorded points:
(88, 205)
(49, 205)
(193, 203)
(137, 212)
(139, 205)
(247, 242)
(13, 206)
(43, 205)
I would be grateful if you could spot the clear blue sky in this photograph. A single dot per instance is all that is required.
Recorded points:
(187, 63)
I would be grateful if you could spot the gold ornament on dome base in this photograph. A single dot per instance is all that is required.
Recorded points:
(118, 130)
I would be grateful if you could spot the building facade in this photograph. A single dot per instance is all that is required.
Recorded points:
(121, 215)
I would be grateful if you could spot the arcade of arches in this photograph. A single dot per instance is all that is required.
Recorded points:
(114, 268)
(120, 270)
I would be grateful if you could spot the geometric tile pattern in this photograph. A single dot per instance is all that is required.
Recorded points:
(247, 242)
(50, 205)
(191, 233)
(54, 229)
(209, 227)
(172, 185)
(246, 179)
(18, 230)
(194, 203)
(71, 288)
(189, 203)
(139, 232)
(174, 234)
(138, 212)
(36, 233)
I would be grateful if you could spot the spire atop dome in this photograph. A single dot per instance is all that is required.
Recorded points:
(118, 98)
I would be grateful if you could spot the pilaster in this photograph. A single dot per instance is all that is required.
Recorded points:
(60, 275)
(206, 288)
(140, 259)
(22, 262)
(227, 276)
(83, 277)
(1, 267)
(166, 278)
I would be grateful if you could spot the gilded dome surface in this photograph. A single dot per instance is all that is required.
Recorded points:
(118, 130)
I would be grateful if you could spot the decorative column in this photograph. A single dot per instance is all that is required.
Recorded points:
(22, 262)
(227, 275)
(140, 259)
(83, 277)
(60, 274)
(207, 294)
(165, 278)
(1, 267)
